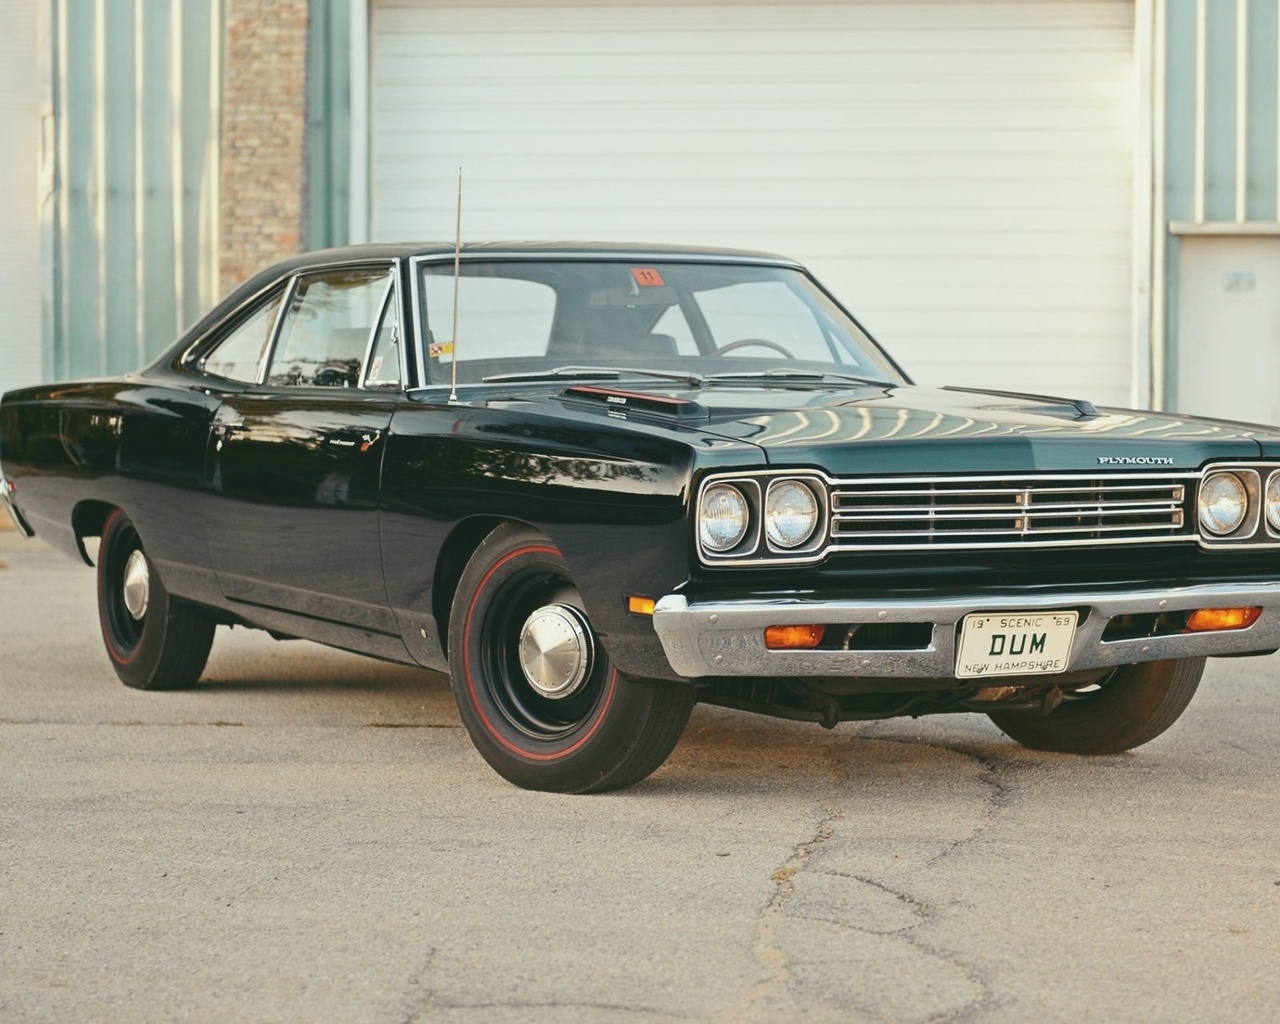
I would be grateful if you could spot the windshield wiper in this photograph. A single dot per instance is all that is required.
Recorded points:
(608, 372)
(784, 374)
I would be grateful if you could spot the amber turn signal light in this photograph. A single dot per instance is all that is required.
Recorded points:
(1206, 620)
(787, 638)
(640, 605)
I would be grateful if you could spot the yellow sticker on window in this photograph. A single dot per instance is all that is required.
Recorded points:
(444, 348)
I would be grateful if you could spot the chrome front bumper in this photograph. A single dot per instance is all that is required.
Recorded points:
(726, 638)
(6, 499)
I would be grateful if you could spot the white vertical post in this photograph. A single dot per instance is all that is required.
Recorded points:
(1198, 187)
(177, 158)
(61, 358)
(358, 217)
(211, 194)
(139, 187)
(1146, 167)
(98, 200)
(1242, 110)
(1155, 387)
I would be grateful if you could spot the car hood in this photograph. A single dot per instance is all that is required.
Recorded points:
(909, 429)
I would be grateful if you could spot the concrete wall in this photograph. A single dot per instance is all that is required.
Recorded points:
(20, 95)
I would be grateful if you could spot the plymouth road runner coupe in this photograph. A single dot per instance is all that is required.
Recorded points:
(598, 484)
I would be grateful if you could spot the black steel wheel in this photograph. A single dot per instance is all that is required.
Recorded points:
(154, 641)
(534, 686)
(1132, 706)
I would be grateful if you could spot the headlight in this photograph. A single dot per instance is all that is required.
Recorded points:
(1273, 502)
(1223, 503)
(723, 517)
(790, 514)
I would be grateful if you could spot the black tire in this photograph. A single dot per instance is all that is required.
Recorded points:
(608, 733)
(1133, 706)
(166, 645)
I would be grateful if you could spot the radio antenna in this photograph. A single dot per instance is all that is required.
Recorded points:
(457, 273)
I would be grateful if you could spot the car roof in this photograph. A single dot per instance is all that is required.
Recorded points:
(401, 250)
(316, 258)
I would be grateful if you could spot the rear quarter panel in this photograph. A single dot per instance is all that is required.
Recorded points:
(134, 443)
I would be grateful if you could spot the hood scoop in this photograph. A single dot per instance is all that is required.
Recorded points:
(625, 404)
(1079, 408)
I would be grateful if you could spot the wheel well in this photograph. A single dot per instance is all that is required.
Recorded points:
(87, 520)
(458, 548)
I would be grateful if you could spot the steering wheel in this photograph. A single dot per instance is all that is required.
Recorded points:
(764, 342)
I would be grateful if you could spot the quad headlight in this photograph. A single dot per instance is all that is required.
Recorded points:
(1224, 503)
(790, 513)
(1273, 502)
(764, 518)
(723, 518)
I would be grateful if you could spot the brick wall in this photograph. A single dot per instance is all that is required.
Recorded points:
(263, 135)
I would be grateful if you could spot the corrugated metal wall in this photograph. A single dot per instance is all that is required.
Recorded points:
(130, 225)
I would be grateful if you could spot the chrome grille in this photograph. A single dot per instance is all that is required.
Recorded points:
(982, 512)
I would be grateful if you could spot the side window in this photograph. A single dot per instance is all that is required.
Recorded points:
(326, 328)
(239, 354)
(763, 311)
(384, 360)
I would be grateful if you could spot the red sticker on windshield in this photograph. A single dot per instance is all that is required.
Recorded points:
(647, 277)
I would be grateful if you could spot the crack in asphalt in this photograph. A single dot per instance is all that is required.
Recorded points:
(423, 996)
(999, 790)
(769, 947)
(768, 952)
(559, 1004)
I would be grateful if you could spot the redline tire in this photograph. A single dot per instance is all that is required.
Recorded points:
(1132, 707)
(611, 732)
(166, 646)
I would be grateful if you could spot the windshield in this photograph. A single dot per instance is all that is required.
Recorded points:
(518, 317)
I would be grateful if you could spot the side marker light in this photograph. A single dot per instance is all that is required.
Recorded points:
(640, 605)
(788, 638)
(1207, 620)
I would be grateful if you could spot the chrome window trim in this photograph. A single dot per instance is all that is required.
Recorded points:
(416, 264)
(609, 256)
(386, 264)
(388, 302)
(207, 334)
(273, 339)
(419, 320)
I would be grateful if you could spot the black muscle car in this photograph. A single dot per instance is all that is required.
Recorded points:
(598, 484)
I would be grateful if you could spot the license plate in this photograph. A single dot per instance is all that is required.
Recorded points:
(1015, 643)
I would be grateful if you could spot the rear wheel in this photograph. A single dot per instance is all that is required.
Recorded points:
(534, 686)
(1132, 706)
(154, 642)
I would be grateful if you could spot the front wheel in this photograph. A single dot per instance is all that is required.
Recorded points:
(154, 642)
(534, 686)
(1132, 706)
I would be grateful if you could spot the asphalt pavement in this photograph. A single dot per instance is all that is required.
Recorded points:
(309, 836)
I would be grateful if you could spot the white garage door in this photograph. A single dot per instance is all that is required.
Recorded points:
(958, 173)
